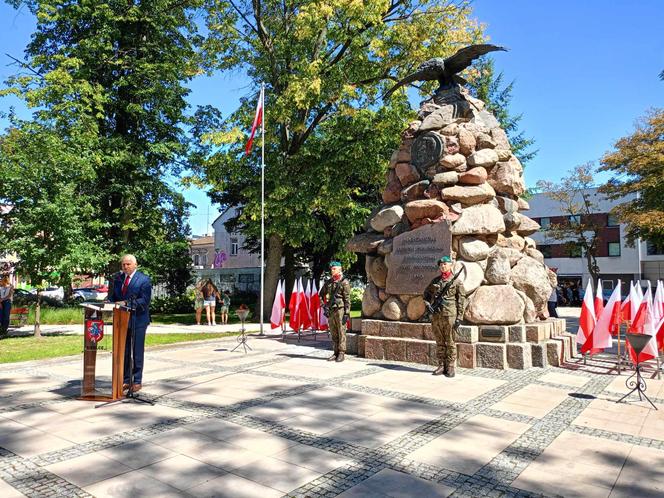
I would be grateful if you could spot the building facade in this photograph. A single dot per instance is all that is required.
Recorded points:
(201, 250)
(616, 259)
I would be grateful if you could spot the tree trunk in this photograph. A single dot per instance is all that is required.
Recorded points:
(289, 270)
(272, 269)
(38, 315)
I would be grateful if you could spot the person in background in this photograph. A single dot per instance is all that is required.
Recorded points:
(225, 305)
(210, 295)
(198, 300)
(552, 303)
(6, 296)
(335, 294)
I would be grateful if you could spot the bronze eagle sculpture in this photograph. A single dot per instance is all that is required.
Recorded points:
(445, 70)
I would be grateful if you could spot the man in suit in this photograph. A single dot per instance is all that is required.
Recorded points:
(133, 289)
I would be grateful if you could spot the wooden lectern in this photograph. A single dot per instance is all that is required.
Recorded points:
(90, 390)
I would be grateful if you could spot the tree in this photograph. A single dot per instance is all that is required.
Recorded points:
(124, 64)
(486, 86)
(637, 165)
(582, 230)
(324, 64)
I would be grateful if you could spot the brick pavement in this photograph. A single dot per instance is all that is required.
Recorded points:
(280, 421)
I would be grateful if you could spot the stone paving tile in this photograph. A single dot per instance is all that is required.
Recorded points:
(134, 484)
(233, 486)
(88, 469)
(395, 484)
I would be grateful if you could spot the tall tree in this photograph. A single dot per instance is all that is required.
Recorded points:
(488, 87)
(128, 61)
(320, 59)
(574, 194)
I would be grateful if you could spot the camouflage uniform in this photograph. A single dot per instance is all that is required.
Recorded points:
(442, 322)
(337, 296)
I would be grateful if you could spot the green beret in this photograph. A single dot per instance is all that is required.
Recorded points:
(445, 259)
(334, 263)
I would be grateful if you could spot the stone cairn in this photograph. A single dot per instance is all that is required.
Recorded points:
(455, 167)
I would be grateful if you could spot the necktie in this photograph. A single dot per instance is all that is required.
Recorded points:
(125, 285)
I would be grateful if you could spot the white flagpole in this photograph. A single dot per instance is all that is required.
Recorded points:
(262, 202)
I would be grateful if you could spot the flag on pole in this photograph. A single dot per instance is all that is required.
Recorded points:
(315, 306)
(599, 299)
(639, 313)
(658, 312)
(293, 306)
(278, 308)
(607, 321)
(587, 319)
(646, 318)
(305, 308)
(322, 319)
(258, 119)
(626, 307)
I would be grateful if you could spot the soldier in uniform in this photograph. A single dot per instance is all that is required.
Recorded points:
(447, 317)
(335, 294)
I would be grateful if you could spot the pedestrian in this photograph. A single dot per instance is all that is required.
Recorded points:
(552, 303)
(446, 302)
(210, 295)
(225, 306)
(6, 296)
(133, 289)
(198, 300)
(335, 295)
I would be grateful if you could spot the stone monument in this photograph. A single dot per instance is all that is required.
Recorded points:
(455, 188)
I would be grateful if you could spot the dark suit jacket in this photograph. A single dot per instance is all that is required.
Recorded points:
(138, 293)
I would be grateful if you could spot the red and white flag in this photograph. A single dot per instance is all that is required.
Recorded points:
(658, 312)
(315, 306)
(587, 319)
(278, 307)
(639, 311)
(293, 306)
(626, 307)
(258, 120)
(608, 321)
(648, 328)
(322, 319)
(599, 299)
(305, 308)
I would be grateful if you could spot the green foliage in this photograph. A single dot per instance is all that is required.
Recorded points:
(172, 304)
(486, 86)
(356, 294)
(637, 165)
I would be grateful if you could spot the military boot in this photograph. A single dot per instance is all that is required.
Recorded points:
(440, 370)
(450, 372)
(333, 357)
(340, 358)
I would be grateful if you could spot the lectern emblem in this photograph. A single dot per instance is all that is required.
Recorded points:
(94, 330)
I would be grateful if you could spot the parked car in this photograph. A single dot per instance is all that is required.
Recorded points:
(94, 293)
(56, 293)
(23, 297)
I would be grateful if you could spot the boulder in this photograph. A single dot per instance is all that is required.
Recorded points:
(535, 254)
(474, 176)
(386, 217)
(365, 242)
(453, 161)
(393, 309)
(407, 174)
(415, 191)
(451, 130)
(500, 139)
(385, 247)
(468, 195)
(425, 208)
(485, 120)
(512, 221)
(412, 129)
(531, 277)
(405, 298)
(473, 249)
(527, 226)
(392, 192)
(451, 145)
(376, 270)
(415, 309)
(507, 205)
(530, 243)
(445, 179)
(498, 269)
(432, 192)
(484, 141)
(438, 119)
(479, 220)
(393, 160)
(486, 158)
(507, 177)
(523, 204)
(472, 276)
(511, 240)
(403, 154)
(371, 303)
(529, 313)
(495, 304)
(426, 108)
(467, 142)
(513, 255)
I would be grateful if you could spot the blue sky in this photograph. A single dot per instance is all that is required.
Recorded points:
(584, 71)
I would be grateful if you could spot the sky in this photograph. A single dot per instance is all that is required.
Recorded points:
(584, 71)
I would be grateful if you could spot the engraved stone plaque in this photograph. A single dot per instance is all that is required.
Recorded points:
(427, 149)
(493, 334)
(412, 262)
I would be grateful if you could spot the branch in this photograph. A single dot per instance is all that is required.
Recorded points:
(24, 65)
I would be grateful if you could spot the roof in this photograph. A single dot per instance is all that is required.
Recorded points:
(201, 241)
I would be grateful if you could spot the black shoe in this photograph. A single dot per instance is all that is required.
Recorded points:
(340, 358)
(333, 357)
(439, 371)
(450, 372)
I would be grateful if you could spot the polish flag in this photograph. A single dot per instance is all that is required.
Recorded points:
(607, 321)
(293, 306)
(315, 306)
(305, 308)
(258, 119)
(322, 319)
(626, 307)
(278, 308)
(648, 328)
(599, 299)
(587, 319)
(639, 313)
(658, 313)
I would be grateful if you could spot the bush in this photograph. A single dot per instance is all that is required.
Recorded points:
(356, 294)
(172, 304)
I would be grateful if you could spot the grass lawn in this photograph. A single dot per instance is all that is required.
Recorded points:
(29, 348)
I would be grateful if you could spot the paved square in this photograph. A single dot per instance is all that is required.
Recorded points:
(280, 421)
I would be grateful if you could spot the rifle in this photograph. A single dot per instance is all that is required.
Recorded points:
(437, 303)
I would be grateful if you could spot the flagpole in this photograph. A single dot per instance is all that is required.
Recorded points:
(262, 203)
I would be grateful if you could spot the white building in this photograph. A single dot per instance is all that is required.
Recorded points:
(616, 259)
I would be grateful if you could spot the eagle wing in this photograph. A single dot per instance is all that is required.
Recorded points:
(465, 57)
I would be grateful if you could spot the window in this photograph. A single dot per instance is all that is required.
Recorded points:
(545, 223)
(612, 221)
(204, 259)
(196, 261)
(575, 219)
(653, 249)
(545, 250)
(614, 248)
(234, 247)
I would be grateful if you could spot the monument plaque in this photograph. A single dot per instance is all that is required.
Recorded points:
(412, 263)
(493, 333)
(427, 149)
